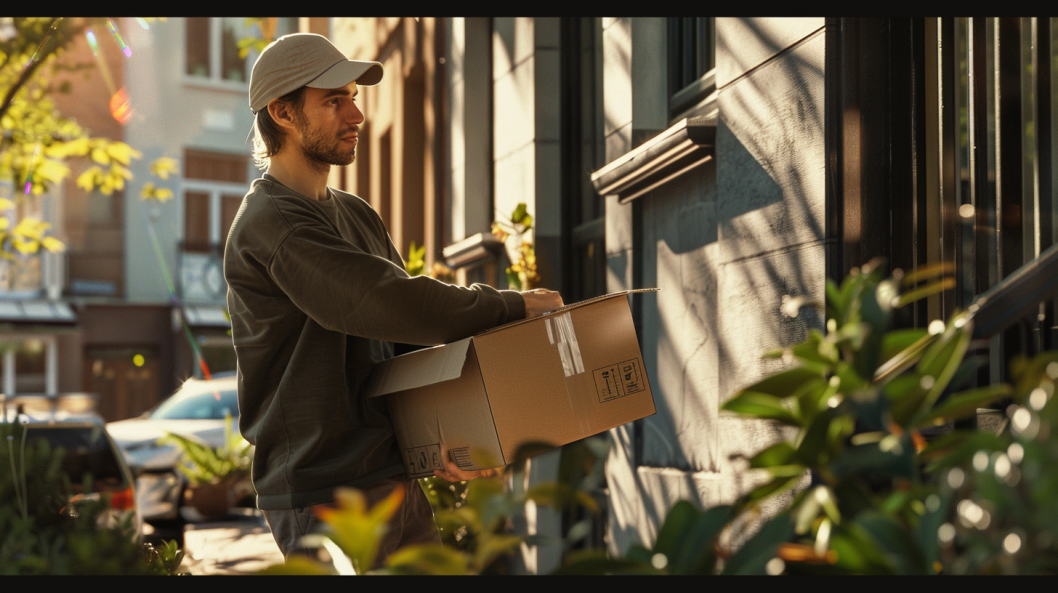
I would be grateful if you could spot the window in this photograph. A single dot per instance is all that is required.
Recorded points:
(212, 46)
(691, 62)
(215, 184)
(583, 152)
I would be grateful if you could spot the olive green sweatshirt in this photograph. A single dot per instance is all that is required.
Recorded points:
(317, 294)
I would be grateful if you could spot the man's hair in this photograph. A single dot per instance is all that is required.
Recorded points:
(268, 136)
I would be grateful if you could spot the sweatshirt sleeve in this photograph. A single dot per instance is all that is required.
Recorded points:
(346, 289)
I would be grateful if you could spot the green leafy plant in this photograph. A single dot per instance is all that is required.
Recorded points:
(861, 397)
(516, 234)
(998, 489)
(207, 465)
(880, 497)
(416, 265)
(165, 559)
(473, 518)
(38, 143)
(45, 528)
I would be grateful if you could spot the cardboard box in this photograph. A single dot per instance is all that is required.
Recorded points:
(550, 380)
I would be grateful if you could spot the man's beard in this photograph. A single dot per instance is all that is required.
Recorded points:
(321, 150)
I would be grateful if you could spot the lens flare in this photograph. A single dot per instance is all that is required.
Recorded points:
(114, 29)
(92, 42)
(142, 23)
(29, 168)
(120, 108)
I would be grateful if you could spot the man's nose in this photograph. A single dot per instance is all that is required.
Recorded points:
(355, 115)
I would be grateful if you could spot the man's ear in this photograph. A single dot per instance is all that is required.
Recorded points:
(282, 113)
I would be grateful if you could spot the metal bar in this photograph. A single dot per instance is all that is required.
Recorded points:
(1017, 296)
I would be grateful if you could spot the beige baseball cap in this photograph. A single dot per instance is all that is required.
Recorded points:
(305, 59)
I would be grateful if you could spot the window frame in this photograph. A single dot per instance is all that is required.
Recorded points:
(698, 95)
(216, 80)
(216, 190)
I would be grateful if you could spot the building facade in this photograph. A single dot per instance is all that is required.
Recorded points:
(734, 163)
(135, 305)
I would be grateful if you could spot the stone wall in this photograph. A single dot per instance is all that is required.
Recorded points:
(725, 243)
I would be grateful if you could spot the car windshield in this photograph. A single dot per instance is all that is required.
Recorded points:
(88, 453)
(203, 405)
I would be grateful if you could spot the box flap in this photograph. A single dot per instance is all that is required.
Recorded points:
(419, 368)
(572, 306)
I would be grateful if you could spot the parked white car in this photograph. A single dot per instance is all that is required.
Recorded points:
(196, 411)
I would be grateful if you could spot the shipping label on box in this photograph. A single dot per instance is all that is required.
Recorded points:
(540, 382)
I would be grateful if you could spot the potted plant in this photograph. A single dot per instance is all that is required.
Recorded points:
(212, 472)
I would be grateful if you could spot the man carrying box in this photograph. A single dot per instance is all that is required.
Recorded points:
(317, 294)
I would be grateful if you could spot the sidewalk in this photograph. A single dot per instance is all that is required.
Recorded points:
(239, 545)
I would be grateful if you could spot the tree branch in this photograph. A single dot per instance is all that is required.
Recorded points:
(29, 70)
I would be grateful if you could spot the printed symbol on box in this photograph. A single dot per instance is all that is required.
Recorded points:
(630, 377)
(461, 457)
(409, 461)
(619, 380)
(606, 384)
(423, 459)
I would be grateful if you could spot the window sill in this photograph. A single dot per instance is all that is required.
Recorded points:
(693, 94)
(214, 84)
(683, 146)
(472, 250)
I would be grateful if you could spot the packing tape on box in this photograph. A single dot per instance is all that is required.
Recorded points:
(560, 333)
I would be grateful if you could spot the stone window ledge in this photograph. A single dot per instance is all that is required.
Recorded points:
(473, 250)
(683, 146)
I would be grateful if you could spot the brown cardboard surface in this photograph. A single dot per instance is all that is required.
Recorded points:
(454, 412)
(551, 379)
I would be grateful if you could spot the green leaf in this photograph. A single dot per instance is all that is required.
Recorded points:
(927, 272)
(959, 447)
(426, 559)
(1029, 374)
(835, 299)
(820, 437)
(925, 291)
(520, 213)
(787, 477)
(877, 320)
(780, 453)
(965, 404)
(755, 554)
(857, 552)
(760, 405)
(905, 359)
(905, 394)
(895, 541)
(941, 362)
(786, 383)
(598, 562)
(898, 340)
(513, 281)
(695, 554)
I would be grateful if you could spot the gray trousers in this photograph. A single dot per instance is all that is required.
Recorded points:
(412, 524)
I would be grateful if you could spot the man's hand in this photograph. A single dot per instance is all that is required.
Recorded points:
(452, 473)
(540, 301)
